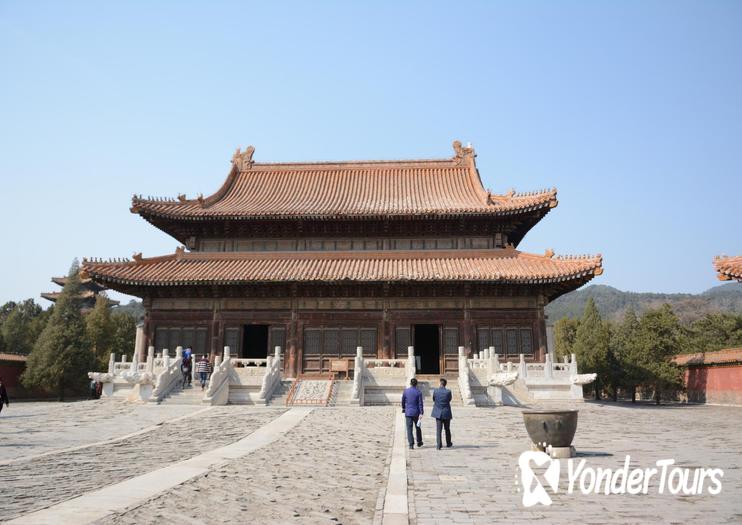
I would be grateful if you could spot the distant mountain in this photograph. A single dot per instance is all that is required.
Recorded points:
(612, 302)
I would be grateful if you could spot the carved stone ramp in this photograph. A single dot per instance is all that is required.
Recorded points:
(311, 391)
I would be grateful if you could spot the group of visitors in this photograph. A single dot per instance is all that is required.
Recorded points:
(203, 368)
(412, 406)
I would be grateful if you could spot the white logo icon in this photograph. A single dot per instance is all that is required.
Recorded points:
(533, 490)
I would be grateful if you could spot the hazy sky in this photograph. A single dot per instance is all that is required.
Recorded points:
(633, 110)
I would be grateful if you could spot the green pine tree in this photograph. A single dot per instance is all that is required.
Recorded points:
(715, 331)
(591, 346)
(628, 354)
(22, 325)
(61, 356)
(565, 332)
(124, 334)
(100, 330)
(661, 337)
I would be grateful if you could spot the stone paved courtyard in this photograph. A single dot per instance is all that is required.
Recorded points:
(333, 465)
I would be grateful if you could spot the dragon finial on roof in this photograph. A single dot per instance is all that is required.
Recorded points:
(242, 160)
(462, 152)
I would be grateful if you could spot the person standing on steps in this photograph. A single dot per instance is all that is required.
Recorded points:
(185, 368)
(202, 369)
(442, 413)
(412, 406)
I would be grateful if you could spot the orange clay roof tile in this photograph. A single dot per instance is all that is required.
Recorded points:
(202, 268)
(727, 355)
(359, 189)
(728, 268)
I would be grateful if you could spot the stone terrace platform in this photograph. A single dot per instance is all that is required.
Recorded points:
(92, 462)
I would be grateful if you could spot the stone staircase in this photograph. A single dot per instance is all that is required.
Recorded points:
(245, 395)
(192, 395)
(342, 392)
(280, 394)
(388, 395)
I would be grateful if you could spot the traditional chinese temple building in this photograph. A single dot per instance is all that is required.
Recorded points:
(320, 258)
(89, 291)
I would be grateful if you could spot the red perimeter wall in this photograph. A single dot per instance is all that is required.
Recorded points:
(715, 384)
(11, 372)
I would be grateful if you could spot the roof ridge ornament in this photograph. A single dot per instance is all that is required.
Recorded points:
(462, 152)
(242, 160)
(549, 253)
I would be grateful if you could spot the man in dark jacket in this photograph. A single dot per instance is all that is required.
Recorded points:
(412, 406)
(442, 413)
(3, 395)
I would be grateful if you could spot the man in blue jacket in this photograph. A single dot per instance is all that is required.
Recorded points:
(412, 406)
(442, 413)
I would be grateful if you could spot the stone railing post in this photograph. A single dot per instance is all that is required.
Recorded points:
(548, 368)
(151, 359)
(357, 375)
(227, 353)
(178, 352)
(277, 352)
(522, 367)
(573, 366)
(123, 358)
(111, 363)
(491, 362)
(165, 358)
(410, 366)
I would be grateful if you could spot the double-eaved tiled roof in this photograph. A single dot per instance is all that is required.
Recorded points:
(360, 189)
(228, 268)
(729, 268)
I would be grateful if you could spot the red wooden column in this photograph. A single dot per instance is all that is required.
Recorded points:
(149, 329)
(468, 327)
(217, 334)
(290, 365)
(386, 344)
(541, 333)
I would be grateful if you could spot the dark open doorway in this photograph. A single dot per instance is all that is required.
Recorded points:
(426, 339)
(255, 341)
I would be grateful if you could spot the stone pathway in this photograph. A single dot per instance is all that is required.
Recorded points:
(474, 482)
(335, 465)
(329, 469)
(100, 504)
(28, 429)
(40, 482)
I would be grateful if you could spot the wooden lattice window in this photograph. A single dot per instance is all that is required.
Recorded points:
(278, 338)
(509, 341)
(402, 339)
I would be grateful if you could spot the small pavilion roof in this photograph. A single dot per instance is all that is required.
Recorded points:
(728, 268)
(229, 268)
(348, 190)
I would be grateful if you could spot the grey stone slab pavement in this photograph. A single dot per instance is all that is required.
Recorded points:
(32, 428)
(328, 469)
(101, 503)
(475, 481)
(42, 481)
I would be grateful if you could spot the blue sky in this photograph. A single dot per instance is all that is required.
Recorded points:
(633, 110)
